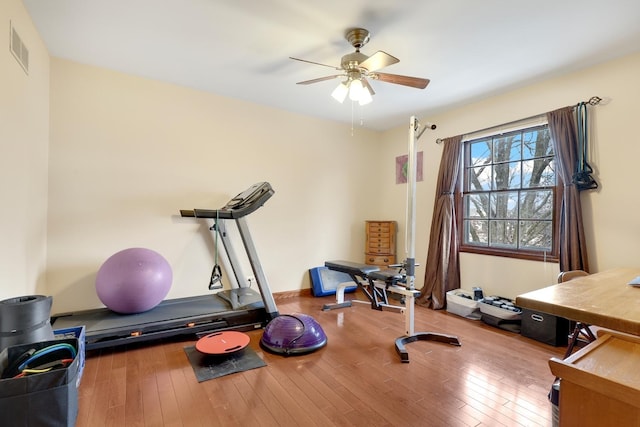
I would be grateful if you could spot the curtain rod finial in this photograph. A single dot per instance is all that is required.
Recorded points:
(595, 100)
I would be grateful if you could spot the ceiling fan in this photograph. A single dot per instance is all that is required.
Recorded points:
(357, 67)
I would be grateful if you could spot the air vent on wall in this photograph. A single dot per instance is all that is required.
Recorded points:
(18, 49)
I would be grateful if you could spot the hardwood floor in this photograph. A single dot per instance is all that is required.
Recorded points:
(496, 378)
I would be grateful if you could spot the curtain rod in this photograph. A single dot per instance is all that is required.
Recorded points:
(594, 100)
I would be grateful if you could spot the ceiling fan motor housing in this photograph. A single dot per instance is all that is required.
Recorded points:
(358, 37)
(351, 60)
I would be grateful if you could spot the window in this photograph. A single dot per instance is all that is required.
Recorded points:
(509, 202)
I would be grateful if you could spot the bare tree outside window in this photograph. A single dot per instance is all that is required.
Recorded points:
(509, 194)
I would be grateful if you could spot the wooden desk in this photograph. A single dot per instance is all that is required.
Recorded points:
(602, 299)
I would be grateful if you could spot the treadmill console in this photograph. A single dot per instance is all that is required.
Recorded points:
(241, 205)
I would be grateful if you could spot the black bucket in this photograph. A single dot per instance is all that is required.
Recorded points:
(24, 320)
(554, 398)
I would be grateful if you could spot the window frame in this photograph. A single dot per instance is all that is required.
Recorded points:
(526, 254)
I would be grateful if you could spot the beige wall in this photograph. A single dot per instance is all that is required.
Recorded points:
(24, 129)
(612, 225)
(128, 153)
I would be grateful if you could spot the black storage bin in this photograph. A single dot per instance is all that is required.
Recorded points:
(546, 328)
(42, 399)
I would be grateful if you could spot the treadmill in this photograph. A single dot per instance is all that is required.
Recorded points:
(240, 308)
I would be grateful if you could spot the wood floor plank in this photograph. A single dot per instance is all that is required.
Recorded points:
(193, 407)
(151, 404)
(118, 387)
(255, 411)
(133, 415)
(99, 404)
(376, 399)
(168, 402)
(363, 409)
(259, 379)
(115, 416)
(312, 402)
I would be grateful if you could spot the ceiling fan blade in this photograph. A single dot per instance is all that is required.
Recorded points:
(416, 82)
(315, 63)
(320, 79)
(378, 60)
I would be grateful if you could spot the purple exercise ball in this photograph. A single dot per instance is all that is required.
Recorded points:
(133, 280)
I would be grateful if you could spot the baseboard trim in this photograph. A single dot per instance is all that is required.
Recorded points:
(292, 294)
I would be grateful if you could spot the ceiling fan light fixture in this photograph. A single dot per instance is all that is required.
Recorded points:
(365, 97)
(340, 92)
(355, 90)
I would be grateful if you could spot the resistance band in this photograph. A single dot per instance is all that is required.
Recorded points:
(582, 178)
(43, 360)
(216, 274)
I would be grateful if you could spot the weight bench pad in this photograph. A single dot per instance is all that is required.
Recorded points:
(352, 268)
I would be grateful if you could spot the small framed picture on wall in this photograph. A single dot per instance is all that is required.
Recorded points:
(402, 168)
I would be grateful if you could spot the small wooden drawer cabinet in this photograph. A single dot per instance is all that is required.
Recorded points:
(380, 246)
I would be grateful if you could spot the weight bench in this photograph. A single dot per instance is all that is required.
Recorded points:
(370, 279)
(375, 283)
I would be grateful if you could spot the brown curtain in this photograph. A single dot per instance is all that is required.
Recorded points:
(442, 267)
(573, 246)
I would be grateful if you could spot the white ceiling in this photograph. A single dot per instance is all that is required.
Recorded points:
(470, 49)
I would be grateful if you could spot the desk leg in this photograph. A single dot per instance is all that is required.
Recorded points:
(579, 329)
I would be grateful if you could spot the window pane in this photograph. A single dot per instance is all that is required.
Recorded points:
(476, 205)
(507, 148)
(480, 152)
(536, 235)
(538, 173)
(507, 175)
(476, 233)
(536, 204)
(536, 143)
(503, 234)
(479, 178)
(504, 205)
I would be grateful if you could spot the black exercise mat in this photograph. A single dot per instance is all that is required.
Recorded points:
(208, 367)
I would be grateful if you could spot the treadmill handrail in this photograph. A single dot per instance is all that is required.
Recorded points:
(242, 205)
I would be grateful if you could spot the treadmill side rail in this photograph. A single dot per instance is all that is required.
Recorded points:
(261, 278)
